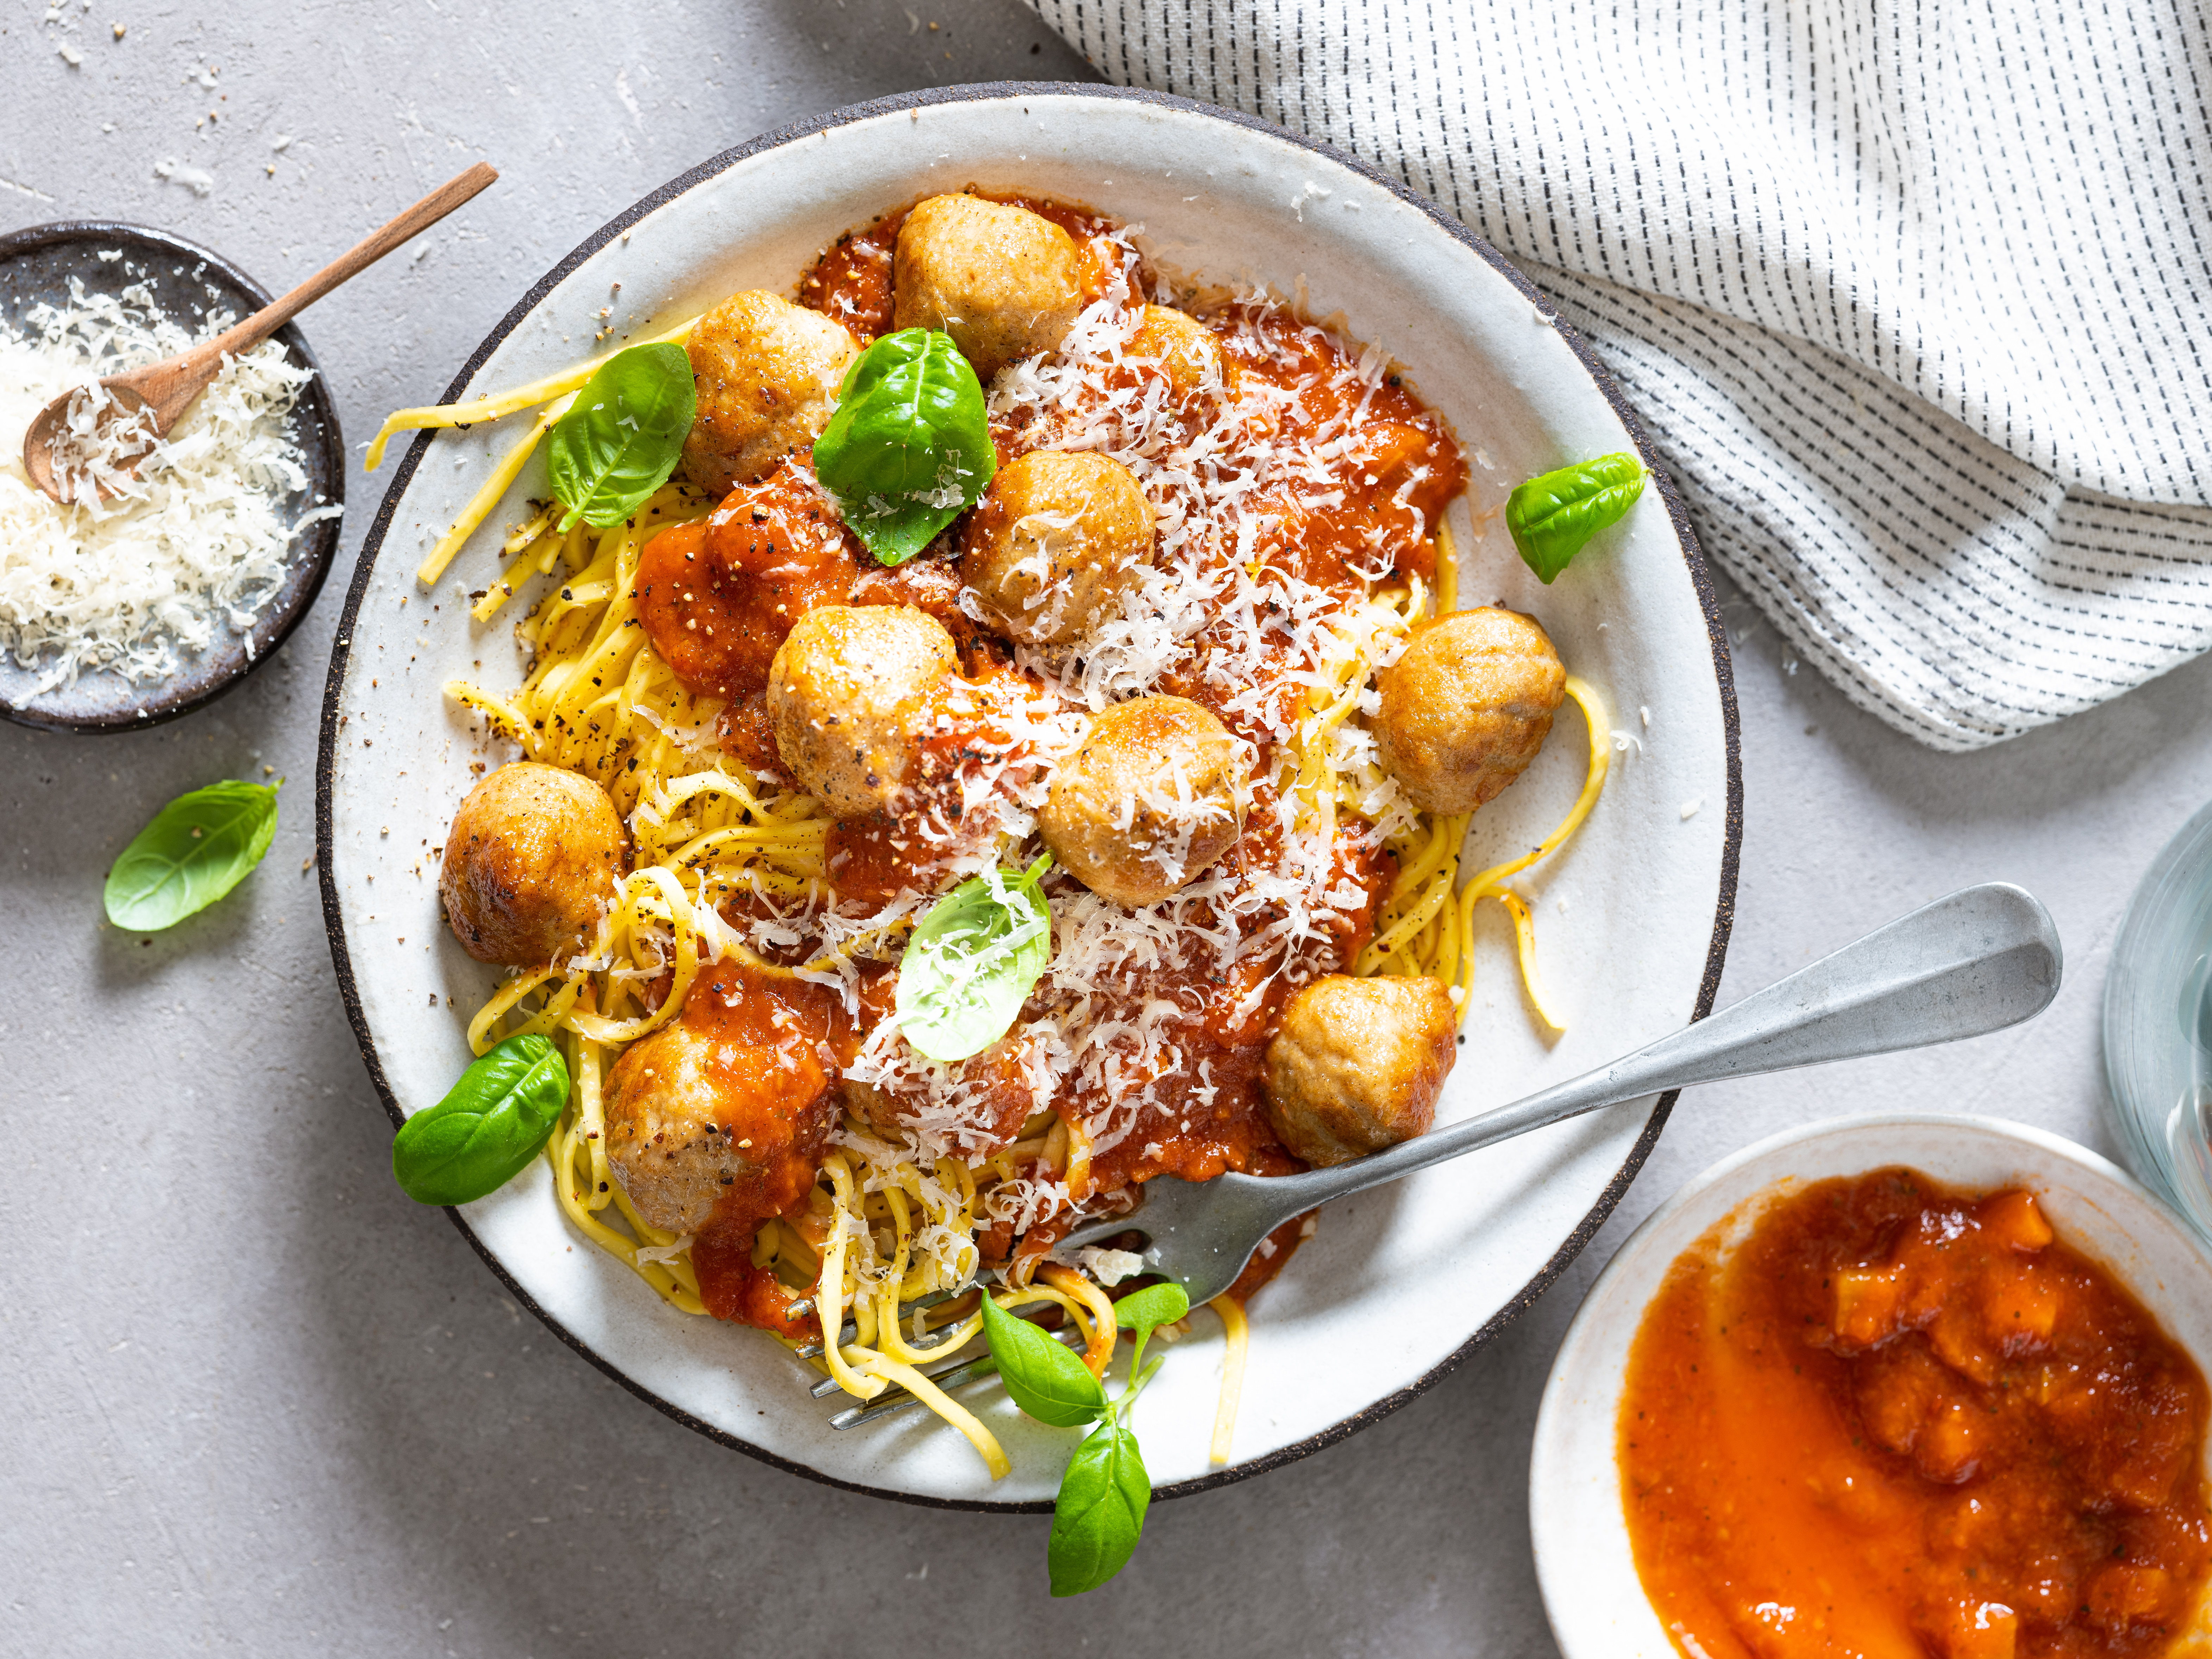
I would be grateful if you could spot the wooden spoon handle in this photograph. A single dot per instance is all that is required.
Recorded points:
(244, 336)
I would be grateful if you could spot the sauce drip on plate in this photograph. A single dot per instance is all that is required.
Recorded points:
(1899, 1420)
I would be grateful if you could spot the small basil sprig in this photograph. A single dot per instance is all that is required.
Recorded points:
(484, 1132)
(1554, 513)
(972, 961)
(1043, 1378)
(910, 447)
(1144, 1311)
(197, 848)
(623, 436)
(1100, 1512)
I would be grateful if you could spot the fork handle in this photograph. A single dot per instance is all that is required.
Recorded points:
(1984, 958)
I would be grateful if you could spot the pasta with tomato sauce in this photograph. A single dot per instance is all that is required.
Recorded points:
(1198, 644)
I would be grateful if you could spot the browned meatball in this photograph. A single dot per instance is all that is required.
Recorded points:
(1146, 803)
(767, 374)
(1058, 541)
(1186, 352)
(531, 864)
(1003, 282)
(845, 692)
(720, 1117)
(1356, 1065)
(1467, 708)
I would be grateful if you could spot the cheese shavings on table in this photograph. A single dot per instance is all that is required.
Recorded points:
(138, 584)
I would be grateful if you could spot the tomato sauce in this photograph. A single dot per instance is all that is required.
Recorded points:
(1220, 1121)
(1899, 1420)
(1391, 486)
(766, 1070)
(718, 599)
(970, 746)
(853, 281)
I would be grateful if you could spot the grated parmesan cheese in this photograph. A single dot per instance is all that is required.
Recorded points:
(1111, 1033)
(138, 584)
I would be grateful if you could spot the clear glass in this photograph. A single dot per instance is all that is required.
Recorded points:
(2158, 1023)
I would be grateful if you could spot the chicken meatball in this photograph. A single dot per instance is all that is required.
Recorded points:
(767, 374)
(531, 864)
(1185, 350)
(1003, 282)
(845, 693)
(721, 1115)
(1356, 1065)
(1146, 802)
(1056, 544)
(1467, 708)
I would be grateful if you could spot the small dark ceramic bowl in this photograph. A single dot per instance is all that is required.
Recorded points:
(187, 282)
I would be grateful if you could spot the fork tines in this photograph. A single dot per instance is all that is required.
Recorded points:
(849, 1331)
(828, 1385)
(893, 1401)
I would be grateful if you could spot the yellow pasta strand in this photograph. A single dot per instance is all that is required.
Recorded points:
(1524, 931)
(1098, 1344)
(499, 405)
(1238, 1333)
(1600, 754)
(985, 1442)
(830, 1291)
(488, 495)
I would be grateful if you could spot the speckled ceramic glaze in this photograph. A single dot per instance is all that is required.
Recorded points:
(1577, 1521)
(187, 282)
(1399, 1284)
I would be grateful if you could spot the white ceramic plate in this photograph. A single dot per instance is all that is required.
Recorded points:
(1577, 1522)
(1398, 1285)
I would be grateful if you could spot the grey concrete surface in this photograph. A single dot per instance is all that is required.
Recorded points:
(257, 1403)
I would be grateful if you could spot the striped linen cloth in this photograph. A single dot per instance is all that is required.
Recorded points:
(1914, 300)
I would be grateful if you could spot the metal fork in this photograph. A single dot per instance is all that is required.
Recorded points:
(1984, 958)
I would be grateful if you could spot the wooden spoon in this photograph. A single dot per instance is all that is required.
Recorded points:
(157, 396)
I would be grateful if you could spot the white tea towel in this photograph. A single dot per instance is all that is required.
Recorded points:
(1915, 300)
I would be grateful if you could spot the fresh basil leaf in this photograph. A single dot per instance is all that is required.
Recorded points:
(1044, 1379)
(197, 848)
(623, 436)
(972, 961)
(1554, 514)
(1144, 1311)
(910, 447)
(483, 1134)
(1100, 1513)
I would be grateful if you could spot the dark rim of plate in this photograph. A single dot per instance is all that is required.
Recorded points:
(314, 424)
(1014, 91)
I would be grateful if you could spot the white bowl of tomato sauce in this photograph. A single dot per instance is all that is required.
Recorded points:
(1896, 1385)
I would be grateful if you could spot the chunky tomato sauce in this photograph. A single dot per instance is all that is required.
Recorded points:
(1897, 1420)
(717, 600)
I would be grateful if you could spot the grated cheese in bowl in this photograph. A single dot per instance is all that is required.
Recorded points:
(199, 538)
